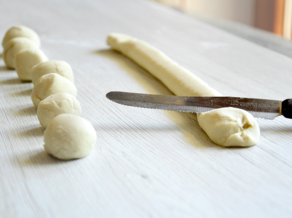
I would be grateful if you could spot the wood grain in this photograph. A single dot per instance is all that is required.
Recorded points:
(146, 163)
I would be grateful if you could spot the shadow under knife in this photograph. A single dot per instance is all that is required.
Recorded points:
(187, 122)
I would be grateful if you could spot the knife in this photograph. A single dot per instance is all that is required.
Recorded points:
(261, 108)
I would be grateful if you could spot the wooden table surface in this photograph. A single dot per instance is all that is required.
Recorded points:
(146, 163)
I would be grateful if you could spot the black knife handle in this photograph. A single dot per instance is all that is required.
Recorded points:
(287, 108)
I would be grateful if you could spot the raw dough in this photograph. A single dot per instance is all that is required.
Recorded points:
(183, 83)
(69, 137)
(179, 80)
(59, 67)
(59, 103)
(50, 84)
(15, 45)
(21, 31)
(25, 60)
(230, 127)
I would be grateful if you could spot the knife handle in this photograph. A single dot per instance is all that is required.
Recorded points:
(287, 108)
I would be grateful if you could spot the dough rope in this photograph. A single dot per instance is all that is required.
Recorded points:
(225, 126)
(179, 80)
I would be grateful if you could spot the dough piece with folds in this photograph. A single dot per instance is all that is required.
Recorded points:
(25, 60)
(60, 67)
(50, 84)
(230, 127)
(59, 103)
(21, 31)
(69, 137)
(183, 83)
(15, 45)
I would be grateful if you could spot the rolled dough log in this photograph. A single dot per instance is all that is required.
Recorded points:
(60, 67)
(15, 45)
(25, 60)
(183, 83)
(21, 31)
(179, 80)
(50, 84)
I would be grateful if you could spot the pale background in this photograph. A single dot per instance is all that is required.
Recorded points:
(146, 163)
(270, 15)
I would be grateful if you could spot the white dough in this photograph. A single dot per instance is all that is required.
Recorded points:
(179, 80)
(15, 45)
(69, 137)
(59, 67)
(59, 103)
(50, 84)
(230, 127)
(25, 60)
(21, 31)
(183, 83)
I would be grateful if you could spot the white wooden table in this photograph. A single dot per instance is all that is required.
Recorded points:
(146, 163)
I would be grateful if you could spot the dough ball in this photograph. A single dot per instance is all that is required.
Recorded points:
(69, 137)
(50, 84)
(59, 103)
(25, 60)
(60, 67)
(15, 45)
(21, 31)
(230, 127)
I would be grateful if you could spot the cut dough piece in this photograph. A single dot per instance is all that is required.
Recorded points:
(183, 83)
(21, 31)
(13, 46)
(59, 103)
(69, 137)
(179, 80)
(50, 84)
(25, 60)
(59, 67)
(230, 127)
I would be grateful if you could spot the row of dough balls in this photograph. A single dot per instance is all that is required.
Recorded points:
(67, 134)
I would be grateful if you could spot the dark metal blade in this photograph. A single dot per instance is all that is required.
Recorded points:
(262, 108)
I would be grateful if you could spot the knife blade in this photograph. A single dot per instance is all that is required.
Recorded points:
(261, 108)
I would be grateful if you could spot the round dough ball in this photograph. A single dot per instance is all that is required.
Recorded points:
(15, 45)
(21, 31)
(60, 67)
(59, 103)
(50, 84)
(230, 127)
(69, 137)
(25, 60)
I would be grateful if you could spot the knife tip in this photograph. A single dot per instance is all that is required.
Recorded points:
(114, 95)
(109, 95)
